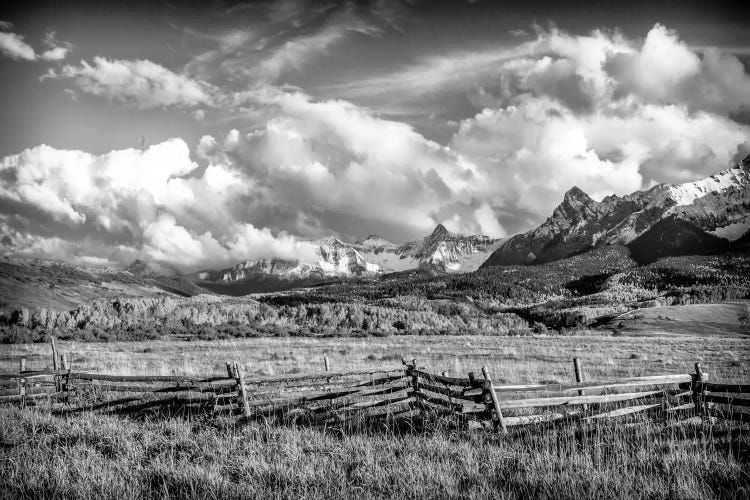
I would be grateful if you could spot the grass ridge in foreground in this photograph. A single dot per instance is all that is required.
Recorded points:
(95, 456)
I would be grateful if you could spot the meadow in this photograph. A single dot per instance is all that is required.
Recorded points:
(95, 456)
(531, 359)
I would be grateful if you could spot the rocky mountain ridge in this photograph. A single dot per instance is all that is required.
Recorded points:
(442, 251)
(702, 216)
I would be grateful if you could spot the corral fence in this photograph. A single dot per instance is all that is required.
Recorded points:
(407, 390)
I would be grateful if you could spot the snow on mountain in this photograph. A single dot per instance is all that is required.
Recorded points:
(334, 259)
(441, 250)
(376, 243)
(446, 251)
(706, 212)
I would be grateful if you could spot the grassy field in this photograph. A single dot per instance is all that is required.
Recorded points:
(95, 456)
(727, 318)
(516, 359)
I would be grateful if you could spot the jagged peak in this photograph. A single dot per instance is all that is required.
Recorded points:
(330, 240)
(440, 231)
(576, 193)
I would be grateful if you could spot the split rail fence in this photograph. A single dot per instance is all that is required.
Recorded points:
(333, 397)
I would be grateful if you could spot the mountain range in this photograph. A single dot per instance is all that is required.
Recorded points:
(705, 216)
(442, 251)
(700, 217)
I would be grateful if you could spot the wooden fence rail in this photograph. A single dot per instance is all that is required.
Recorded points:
(334, 397)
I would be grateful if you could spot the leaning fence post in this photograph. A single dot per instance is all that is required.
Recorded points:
(326, 363)
(698, 389)
(488, 387)
(55, 365)
(243, 390)
(66, 366)
(579, 379)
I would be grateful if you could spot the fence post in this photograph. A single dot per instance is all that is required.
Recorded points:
(450, 397)
(230, 370)
(415, 384)
(698, 389)
(579, 379)
(66, 366)
(21, 379)
(243, 389)
(55, 365)
(326, 363)
(488, 387)
(414, 376)
(472, 380)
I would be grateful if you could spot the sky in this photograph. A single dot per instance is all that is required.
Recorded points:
(201, 134)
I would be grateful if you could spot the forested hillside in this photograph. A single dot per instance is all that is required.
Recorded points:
(583, 290)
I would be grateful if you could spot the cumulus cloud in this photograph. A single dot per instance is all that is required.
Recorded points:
(14, 46)
(313, 169)
(556, 111)
(534, 151)
(603, 112)
(334, 157)
(589, 72)
(662, 63)
(154, 203)
(142, 83)
(56, 50)
(582, 72)
(488, 222)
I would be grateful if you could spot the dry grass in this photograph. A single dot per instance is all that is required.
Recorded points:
(516, 359)
(93, 456)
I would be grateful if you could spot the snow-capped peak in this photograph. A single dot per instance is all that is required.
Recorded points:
(687, 193)
(717, 206)
(375, 241)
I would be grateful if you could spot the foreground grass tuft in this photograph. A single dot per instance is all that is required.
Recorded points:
(94, 456)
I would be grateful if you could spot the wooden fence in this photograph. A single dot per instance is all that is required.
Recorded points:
(484, 403)
(333, 397)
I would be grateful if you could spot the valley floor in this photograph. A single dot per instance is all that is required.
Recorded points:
(514, 359)
(95, 456)
(728, 318)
